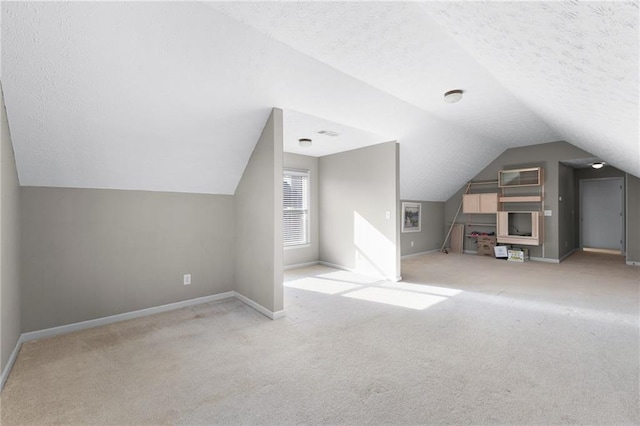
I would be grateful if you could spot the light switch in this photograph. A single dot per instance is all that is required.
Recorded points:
(388, 215)
(547, 212)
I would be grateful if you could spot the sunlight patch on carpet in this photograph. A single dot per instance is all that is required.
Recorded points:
(423, 288)
(400, 298)
(323, 286)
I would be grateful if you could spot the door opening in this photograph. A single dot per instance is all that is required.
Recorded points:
(602, 215)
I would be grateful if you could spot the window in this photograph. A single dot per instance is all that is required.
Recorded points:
(295, 203)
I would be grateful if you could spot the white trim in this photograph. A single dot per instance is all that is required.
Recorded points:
(333, 265)
(69, 328)
(301, 265)
(297, 246)
(544, 259)
(258, 307)
(633, 263)
(470, 252)
(407, 256)
(12, 360)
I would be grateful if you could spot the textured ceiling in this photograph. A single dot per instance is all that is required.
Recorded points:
(575, 64)
(339, 138)
(173, 96)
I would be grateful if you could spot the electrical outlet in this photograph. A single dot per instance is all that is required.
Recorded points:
(387, 215)
(187, 279)
(411, 243)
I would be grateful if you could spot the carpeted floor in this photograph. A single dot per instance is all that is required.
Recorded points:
(462, 340)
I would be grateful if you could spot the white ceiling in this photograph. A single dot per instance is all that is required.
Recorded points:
(342, 137)
(173, 96)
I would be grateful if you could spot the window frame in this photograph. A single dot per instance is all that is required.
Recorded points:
(305, 211)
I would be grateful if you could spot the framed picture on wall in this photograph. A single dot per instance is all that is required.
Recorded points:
(411, 219)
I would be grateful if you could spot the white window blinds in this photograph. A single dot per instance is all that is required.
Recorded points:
(295, 215)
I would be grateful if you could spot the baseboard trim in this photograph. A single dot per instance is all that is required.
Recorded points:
(470, 252)
(633, 263)
(301, 265)
(12, 360)
(83, 325)
(69, 328)
(544, 259)
(408, 256)
(258, 307)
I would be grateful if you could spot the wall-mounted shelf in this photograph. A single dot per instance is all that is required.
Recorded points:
(520, 177)
(482, 203)
(521, 199)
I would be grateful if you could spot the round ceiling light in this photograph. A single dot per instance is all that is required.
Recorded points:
(598, 165)
(453, 96)
(304, 142)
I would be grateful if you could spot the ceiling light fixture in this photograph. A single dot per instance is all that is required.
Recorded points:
(598, 165)
(304, 142)
(453, 96)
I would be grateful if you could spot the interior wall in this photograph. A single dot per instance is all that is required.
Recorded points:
(258, 211)
(546, 155)
(10, 326)
(91, 253)
(311, 253)
(567, 213)
(359, 210)
(633, 219)
(432, 233)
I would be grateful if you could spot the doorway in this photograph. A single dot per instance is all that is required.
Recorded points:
(602, 214)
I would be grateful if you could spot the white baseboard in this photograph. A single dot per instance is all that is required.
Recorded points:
(633, 263)
(69, 328)
(408, 256)
(470, 252)
(258, 307)
(544, 259)
(12, 360)
(301, 265)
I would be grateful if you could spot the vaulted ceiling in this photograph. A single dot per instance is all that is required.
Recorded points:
(172, 96)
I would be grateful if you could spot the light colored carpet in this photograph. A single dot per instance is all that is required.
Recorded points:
(463, 340)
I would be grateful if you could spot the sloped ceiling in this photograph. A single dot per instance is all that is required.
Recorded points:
(173, 96)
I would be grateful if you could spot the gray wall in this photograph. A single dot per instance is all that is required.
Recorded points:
(633, 218)
(546, 155)
(90, 253)
(357, 190)
(10, 326)
(567, 213)
(298, 255)
(591, 173)
(432, 232)
(258, 210)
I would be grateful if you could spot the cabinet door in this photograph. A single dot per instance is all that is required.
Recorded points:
(489, 203)
(457, 239)
(502, 225)
(471, 203)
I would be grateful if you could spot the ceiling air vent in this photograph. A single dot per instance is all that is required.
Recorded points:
(328, 133)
